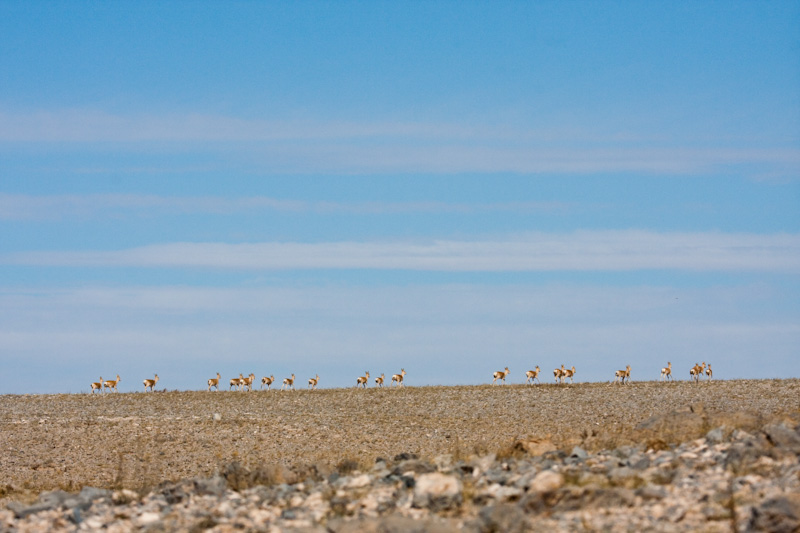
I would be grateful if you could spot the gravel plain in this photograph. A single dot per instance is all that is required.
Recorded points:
(136, 442)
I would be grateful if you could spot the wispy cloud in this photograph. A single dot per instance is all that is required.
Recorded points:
(301, 146)
(37, 207)
(577, 251)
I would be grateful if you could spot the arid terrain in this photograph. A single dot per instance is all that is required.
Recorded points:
(138, 440)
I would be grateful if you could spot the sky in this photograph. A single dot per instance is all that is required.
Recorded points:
(451, 188)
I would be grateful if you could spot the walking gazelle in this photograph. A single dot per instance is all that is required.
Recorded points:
(237, 382)
(150, 384)
(666, 372)
(363, 380)
(569, 373)
(697, 372)
(398, 378)
(620, 376)
(214, 382)
(533, 375)
(288, 382)
(312, 382)
(267, 381)
(111, 384)
(98, 385)
(379, 381)
(558, 373)
(501, 375)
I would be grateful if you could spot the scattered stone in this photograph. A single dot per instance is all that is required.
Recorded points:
(437, 491)
(780, 514)
(725, 480)
(547, 481)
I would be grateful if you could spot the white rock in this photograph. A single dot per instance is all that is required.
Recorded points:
(546, 481)
(359, 481)
(145, 519)
(436, 487)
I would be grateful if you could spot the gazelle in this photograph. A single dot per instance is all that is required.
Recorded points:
(248, 381)
(214, 382)
(312, 383)
(111, 384)
(501, 375)
(569, 373)
(621, 375)
(398, 378)
(267, 381)
(288, 382)
(363, 380)
(709, 373)
(697, 371)
(532, 375)
(237, 382)
(379, 381)
(666, 372)
(150, 384)
(559, 373)
(98, 385)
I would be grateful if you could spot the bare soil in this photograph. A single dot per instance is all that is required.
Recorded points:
(138, 440)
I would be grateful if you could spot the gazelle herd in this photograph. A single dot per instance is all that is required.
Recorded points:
(620, 376)
(245, 383)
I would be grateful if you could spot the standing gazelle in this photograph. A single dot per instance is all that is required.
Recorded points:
(214, 382)
(569, 373)
(621, 375)
(150, 384)
(111, 384)
(666, 372)
(312, 382)
(379, 381)
(267, 381)
(709, 373)
(98, 385)
(398, 378)
(363, 380)
(532, 375)
(288, 382)
(248, 382)
(501, 375)
(559, 373)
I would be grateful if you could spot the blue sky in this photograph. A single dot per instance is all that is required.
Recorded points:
(448, 187)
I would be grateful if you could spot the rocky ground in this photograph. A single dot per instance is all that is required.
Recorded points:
(649, 456)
